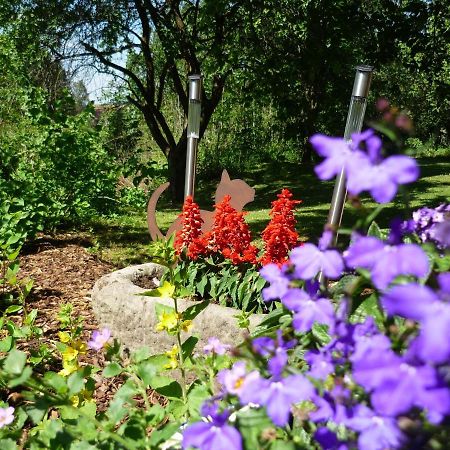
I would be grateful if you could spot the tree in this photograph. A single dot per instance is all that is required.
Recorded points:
(152, 45)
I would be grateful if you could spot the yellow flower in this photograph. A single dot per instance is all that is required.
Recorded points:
(186, 325)
(75, 400)
(64, 337)
(168, 321)
(69, 354)
(173, 358)
(80, 346)
(69, 367)
(166, 290)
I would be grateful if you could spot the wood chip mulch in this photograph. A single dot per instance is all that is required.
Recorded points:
(63, 272)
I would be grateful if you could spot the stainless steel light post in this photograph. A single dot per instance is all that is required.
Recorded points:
(193, 132)
(355, 118)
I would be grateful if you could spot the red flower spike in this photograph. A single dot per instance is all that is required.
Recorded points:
(191, 229)
(230, 234)
(280, 235)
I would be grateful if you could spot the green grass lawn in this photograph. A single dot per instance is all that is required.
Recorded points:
(124, 240)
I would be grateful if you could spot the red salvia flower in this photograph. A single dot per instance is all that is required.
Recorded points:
(280, 235)
(230, 234)
(188, 237)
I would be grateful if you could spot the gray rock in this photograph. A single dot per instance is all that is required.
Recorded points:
(119, 305)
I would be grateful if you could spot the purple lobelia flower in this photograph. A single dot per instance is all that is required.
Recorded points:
(381, 178)
(234, 380)
(215, 434)
(320, 364)
(431, 310)
(433, 224)
(214, 346)
(328, 439)
(99, 339)
(278, 395)
(309, 260)
(396, 385)
(375, 432)
(275, 349)
(337, 153)
(309, 308)
(6, 416)
(334, 406)
(279, 282)
(441, 234)
(365, 171)
(386, 262)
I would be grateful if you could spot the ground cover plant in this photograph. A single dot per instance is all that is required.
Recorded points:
(321, 372)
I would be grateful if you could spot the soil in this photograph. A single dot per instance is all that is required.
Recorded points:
(64, 272)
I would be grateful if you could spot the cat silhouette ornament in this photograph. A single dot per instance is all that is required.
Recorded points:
(239, 191)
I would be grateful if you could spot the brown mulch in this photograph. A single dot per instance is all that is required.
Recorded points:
(63, 272)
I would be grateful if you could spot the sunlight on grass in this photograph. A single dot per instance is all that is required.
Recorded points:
(124, 239)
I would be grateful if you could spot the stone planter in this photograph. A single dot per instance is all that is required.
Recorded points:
(119, 305)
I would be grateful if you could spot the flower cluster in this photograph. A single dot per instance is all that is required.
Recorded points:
(230, 234)
(371, 384)
(432, 224)
(231, 237)
(280, 235)
(187, 237)
(364, 166)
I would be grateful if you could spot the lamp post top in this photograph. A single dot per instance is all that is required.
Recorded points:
(195, 90)
(363, 78)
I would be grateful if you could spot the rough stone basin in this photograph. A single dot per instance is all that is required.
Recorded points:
(119, 305)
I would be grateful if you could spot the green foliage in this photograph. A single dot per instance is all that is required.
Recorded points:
(53, 167)
(223, 282)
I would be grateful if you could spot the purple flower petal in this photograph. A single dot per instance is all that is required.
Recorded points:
(412, 300)
(332, 264)
(401, 169)
(364, 252)
(335, 150)
(433, 342)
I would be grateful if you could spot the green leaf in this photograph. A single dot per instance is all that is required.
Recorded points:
(37, 410)
(141, 354)
(6, 344)
(320, 332)
(193, 311)
(368, 307)
(146, 370)
(15, 362)
(197, 394)
(251, 424)
(75, 382)
(13, 308)
(8, 444)
(22, 378)
(201, 285)
(282, 445)
(57, 382)
(162, 436)
(111, 370)
(116, 410)
(167, 387)
(160, 309)
(374, 230)
(188, 346)
(82, 445)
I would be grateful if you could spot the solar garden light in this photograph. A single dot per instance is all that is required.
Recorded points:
(193, 132)
(355, 118)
